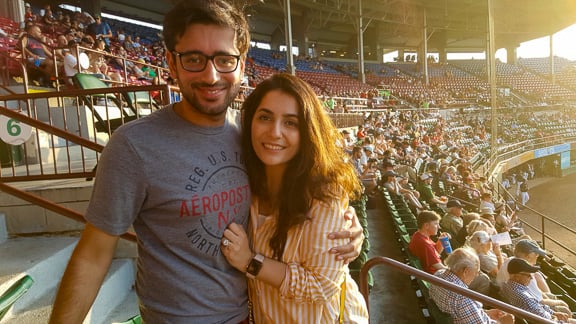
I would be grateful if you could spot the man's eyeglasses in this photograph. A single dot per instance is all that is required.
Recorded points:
(196, 62)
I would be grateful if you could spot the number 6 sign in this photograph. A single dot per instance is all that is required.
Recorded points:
(13, 132)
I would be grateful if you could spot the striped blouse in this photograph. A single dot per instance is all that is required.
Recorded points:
(310, 292)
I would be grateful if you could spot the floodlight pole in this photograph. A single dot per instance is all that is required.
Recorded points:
(424, 59)
(288, 28)
(361, 74)
(491, 51)
(551, 58)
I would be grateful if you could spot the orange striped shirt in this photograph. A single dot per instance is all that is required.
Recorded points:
(310, 292)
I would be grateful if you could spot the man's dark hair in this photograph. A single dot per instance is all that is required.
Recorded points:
(208, 12)
(426, 217)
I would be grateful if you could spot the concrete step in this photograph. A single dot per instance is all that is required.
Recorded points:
(126, 310)
(45, 258)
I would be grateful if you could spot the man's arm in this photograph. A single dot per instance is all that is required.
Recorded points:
(355, 233)
(84, 275)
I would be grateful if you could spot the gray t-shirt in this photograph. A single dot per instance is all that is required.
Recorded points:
(180, 185)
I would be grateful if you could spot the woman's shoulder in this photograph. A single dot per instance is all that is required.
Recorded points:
(327, 209)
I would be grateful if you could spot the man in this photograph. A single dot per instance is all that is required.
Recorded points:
(463, 267)
(100, 30)
(427, 194)
(421, 246)
(38, 53)
(452, 222)
(529, 251)
(488, 215)
(395, 186)
(517, 293)
(523, 191)
(177, 177)
(486, 201)
(366, 170)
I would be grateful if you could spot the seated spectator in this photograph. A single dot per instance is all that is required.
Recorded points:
(392, 184)
(121, 36)
(61, 44)
(463, 233)
(427, 194)
(516, 292)
(505, 223)
(452, 221)
(96, 59)
(128, 44)
(529, 251)
(98, 62)
(463, 266)
(37, 53)
(486, 201)
(118, 63)
(422, 246)
(29, 15)
(148, 72)
(502, 223)
(347, 141)
(487, 215)
(70, 62)
(366, 172)
(138, 48)
(48, 17)
(490, 256)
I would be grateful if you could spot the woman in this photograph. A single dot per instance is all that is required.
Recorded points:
(299, 183)
(490, 256)
(98, 64)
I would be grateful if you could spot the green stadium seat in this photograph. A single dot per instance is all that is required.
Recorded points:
(103, 124)
(133, 320)
(13, 293)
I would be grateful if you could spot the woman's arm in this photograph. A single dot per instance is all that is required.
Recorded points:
(239, 255)
(317, 275)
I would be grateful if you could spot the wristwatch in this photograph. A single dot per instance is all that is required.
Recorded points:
(254, 266)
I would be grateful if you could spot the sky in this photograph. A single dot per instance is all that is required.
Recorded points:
(564, 46)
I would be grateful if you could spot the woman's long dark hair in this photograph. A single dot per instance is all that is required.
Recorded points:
(318, 171)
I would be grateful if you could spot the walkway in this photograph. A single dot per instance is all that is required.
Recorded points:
(393, 299)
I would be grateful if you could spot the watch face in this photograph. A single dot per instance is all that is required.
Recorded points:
(254, 266)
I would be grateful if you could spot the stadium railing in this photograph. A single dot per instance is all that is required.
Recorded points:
(431, 279)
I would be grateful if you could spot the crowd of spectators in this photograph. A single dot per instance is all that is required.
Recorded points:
(450, 84)
(429, 162)
(46, 32)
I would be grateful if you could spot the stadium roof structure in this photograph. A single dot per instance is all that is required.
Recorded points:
(455, 25)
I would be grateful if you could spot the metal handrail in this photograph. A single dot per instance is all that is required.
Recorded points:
(20, 64)
(522, 147)
(543, 218)
(49, 128)
(72, 214)
(444, 284)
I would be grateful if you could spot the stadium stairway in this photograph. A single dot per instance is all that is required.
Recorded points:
(35, 243)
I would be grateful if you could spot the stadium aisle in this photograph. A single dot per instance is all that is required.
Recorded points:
(392, 300)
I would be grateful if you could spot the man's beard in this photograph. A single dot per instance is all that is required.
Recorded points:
(231, 94)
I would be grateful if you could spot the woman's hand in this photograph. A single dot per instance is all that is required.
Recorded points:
(235, 247)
